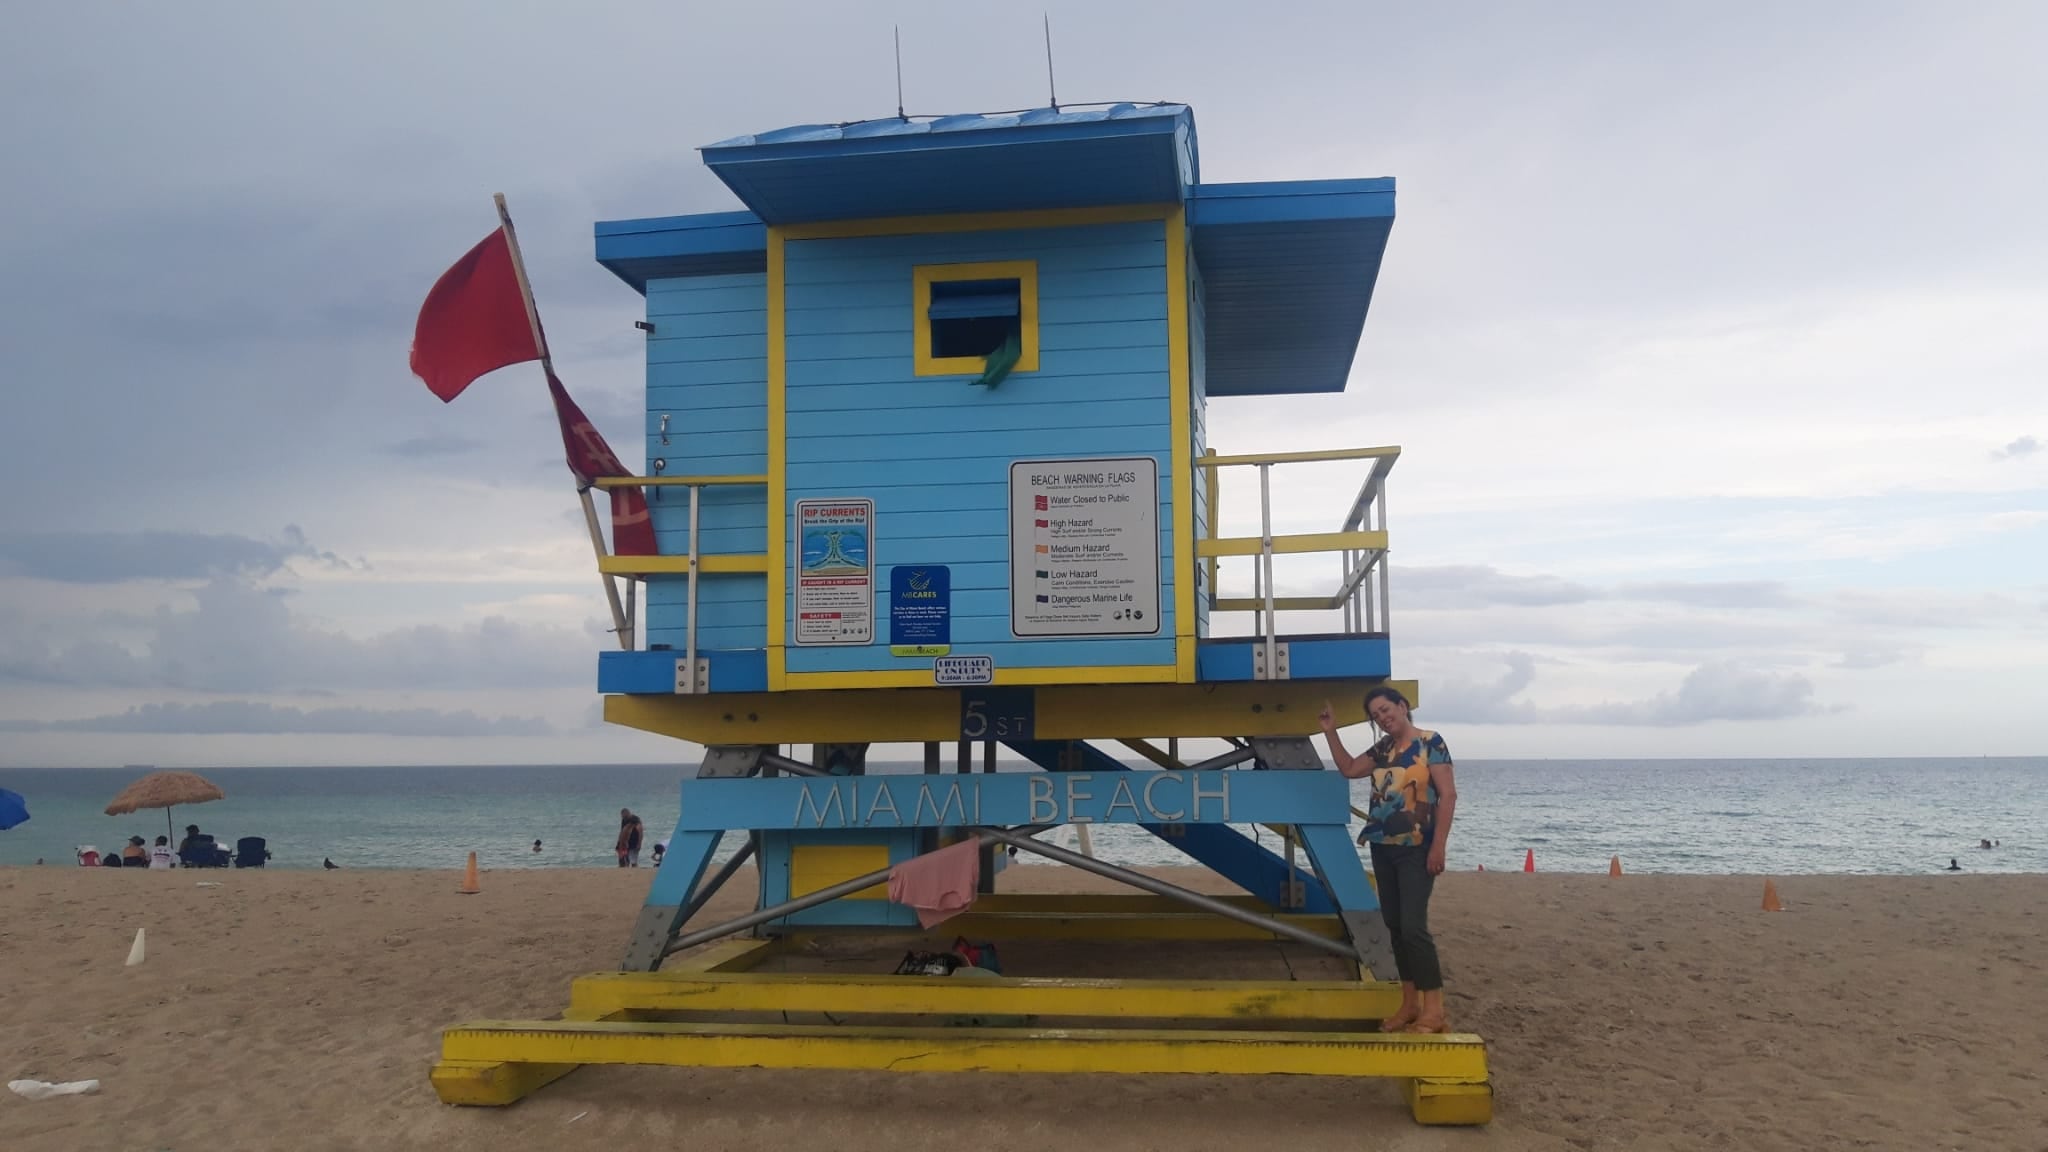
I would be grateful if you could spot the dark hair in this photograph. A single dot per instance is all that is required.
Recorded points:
(1381, 752)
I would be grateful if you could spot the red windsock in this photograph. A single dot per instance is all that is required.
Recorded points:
(1529, 861)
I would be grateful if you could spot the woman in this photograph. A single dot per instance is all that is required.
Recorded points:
(1407, 824)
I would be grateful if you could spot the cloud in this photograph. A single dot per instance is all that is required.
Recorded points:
(424, 447)
(1714, 691)
(2019, 449)
(1722, 690)
(1474, 586)
(1471, 586)
(1486, 702)
(115, 557)
(243, 717)
(240, 637)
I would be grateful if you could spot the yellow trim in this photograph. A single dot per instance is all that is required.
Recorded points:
(778, 460)
(669, 565)
(922, 677)
(923, 276)
(815, 866)
(491, 1083)
(975, 222)
(1215, 482)
(674, 481)
(1374, 540)
(1107, 904)
(1280, 603)
(1065, 711)
(1179, 395)
(1450, 1102)
(728, 955)
(1458, 1057)
(843, 993)
(1307, 457)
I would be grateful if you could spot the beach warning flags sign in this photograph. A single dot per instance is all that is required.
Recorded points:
(1529, 861)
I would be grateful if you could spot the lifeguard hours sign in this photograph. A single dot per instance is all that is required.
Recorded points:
(835, 572)
(1084, 547)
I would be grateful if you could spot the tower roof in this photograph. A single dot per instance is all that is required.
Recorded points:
(1043, 158)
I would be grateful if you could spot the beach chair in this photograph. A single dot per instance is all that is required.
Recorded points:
(250, 852)
(204, 853)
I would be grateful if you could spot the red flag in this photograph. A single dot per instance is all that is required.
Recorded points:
(474, 321)
(590, 457)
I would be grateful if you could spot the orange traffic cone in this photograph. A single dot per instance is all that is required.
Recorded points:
(1529, 861)
(469, 885)
(1771, 898)
(1614, 865)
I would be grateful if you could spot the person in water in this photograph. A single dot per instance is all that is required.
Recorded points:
(1408, 826)
(630, 832)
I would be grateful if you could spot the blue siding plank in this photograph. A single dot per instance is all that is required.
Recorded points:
(1019, 417)
(702, 348)
(725, 382)
(1008, 653)
(751, 321)
(877, 390)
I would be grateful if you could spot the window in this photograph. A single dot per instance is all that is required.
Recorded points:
(965, 312)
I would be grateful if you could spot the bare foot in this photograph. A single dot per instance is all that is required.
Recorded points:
(1431, 1025)
(1400, 1021)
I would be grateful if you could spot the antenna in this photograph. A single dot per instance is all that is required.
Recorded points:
(899, 73)
(1052, 91)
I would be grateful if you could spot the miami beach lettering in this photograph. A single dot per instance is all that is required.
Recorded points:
(1064, 798)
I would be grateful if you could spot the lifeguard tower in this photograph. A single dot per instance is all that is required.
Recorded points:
(929, 462)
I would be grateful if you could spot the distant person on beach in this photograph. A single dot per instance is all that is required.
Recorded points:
(327, 862)
(536, 845)
(161, 855)
(660, 850)
(134, 854)
(1953, 866)
(630, 833)
(1408, 825)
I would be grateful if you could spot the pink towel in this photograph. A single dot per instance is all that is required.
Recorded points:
(940, 885)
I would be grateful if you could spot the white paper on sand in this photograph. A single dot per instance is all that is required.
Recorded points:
(43, 1089)
(135, 950)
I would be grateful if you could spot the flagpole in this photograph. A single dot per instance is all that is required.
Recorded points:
(621, 627)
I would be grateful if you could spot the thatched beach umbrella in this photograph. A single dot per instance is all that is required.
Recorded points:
(162, 790)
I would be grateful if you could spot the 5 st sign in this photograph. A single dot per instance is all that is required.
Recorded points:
(997, 713)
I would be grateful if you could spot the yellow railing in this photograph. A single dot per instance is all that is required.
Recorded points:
(1361, 541)
(691, 563)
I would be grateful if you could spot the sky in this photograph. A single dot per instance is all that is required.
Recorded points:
(1713, 336)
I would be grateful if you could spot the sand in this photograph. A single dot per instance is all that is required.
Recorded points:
(300, 1011)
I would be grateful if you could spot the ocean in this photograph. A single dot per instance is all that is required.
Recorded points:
(1779, 817)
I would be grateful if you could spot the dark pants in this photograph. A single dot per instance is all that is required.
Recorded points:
(1402, 872)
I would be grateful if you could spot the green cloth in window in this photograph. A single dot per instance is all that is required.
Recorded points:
(1001, 362)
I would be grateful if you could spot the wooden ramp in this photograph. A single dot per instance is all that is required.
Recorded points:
(1298, 1028)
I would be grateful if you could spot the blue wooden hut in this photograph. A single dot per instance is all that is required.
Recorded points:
(930, 462)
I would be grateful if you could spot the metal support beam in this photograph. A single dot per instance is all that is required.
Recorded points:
(1162, 888)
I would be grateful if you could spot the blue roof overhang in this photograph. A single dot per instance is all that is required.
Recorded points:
(1287, 276)
(1045, 158)
(707, 244)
